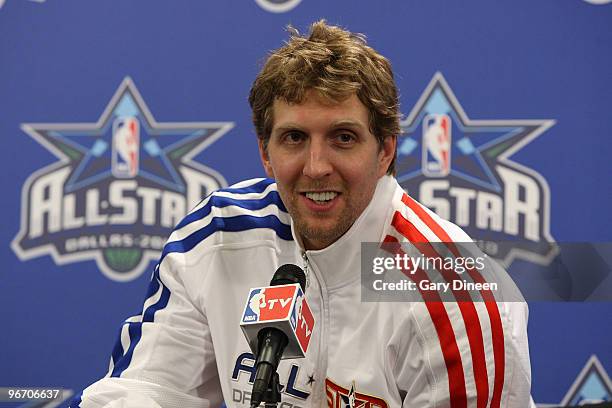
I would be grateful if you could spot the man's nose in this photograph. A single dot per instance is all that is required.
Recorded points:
(317, 161)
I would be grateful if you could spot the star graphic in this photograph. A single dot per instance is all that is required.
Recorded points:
(475, 148)
(592, 384)
(310, 380)
(348, 403)
(465, 166)
(89, 149)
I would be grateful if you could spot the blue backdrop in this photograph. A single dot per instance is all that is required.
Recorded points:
(527, 86)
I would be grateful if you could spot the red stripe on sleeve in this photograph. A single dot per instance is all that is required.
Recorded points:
(444, 329)
(497, 330)
(466, 307)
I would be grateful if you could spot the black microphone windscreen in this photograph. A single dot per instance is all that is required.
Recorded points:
(287, 274)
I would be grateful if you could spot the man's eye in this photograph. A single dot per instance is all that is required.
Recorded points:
(345, 138)
(293, 137)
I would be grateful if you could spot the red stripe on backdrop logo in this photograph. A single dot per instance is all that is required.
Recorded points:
(118, 188)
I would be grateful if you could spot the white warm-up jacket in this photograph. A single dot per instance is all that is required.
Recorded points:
(186, 349)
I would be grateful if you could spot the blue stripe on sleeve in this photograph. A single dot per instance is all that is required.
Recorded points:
(135, 328)
(228, 224)
(118, 350)
(135, 331)
(258, 187)
(250, 204)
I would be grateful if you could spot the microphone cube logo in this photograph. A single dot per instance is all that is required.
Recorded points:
(126, 142)
(297, 310)
(305, 321)
(284, 308)
(269, 304)
(277, 302)
(436, 145)
(252, 310)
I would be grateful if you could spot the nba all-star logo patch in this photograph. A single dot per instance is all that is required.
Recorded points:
(340, 397)
(461, 169)
(119, 186)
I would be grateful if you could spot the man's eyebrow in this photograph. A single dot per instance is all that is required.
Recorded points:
(348, 123)
(287, 126)
(340, 123)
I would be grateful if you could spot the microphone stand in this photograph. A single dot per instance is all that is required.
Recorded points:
(272, 395)
(271, 342)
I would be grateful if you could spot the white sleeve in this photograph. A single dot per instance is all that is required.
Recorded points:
(435, 365)
(164, 357)
(471, 353)
(517, 392)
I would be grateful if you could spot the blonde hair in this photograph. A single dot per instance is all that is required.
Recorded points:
(337, 64)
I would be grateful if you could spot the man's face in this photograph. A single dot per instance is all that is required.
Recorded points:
(326, 164)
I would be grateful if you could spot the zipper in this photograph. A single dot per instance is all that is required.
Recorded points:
(320, 368)
(306, 268)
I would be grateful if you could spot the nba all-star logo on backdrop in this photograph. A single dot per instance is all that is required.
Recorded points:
(592, 386)
(118, 189)
(460, 168)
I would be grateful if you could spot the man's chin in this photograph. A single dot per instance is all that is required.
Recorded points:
(318, 237)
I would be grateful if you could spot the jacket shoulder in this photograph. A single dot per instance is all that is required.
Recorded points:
(251, 210)
(413, 221)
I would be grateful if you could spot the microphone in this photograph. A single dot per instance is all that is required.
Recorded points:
(277, 323)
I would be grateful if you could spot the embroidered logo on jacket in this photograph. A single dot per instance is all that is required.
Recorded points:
(340, 397)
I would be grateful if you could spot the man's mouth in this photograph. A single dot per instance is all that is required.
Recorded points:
(321, 197)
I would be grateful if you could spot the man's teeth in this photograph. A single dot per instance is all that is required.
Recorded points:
(322, 196)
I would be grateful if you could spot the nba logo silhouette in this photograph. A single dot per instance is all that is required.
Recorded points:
(126, 144)
(257, 299)
(436, 145)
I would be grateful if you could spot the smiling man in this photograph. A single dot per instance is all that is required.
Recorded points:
(326, 113)
(326, 163)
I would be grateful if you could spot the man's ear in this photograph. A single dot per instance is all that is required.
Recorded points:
(386, 154)
(265, 159)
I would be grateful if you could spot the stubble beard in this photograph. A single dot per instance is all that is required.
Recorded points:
(318, 237)
(315, 236)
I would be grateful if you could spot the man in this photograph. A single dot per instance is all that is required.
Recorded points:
(325, 109)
